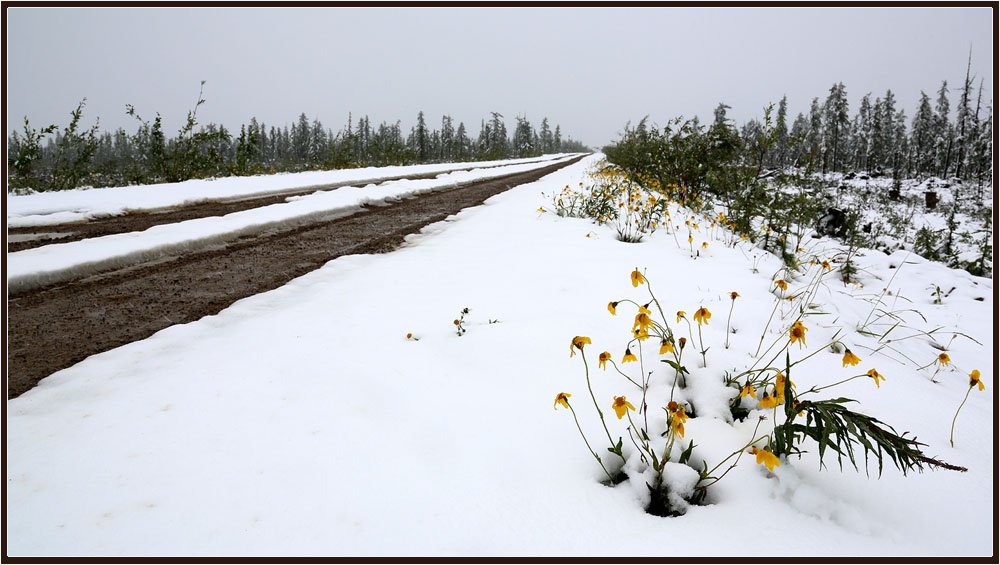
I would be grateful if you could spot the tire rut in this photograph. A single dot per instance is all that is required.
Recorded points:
(53, 328)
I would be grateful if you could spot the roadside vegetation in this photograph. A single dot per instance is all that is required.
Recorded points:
(54, 158)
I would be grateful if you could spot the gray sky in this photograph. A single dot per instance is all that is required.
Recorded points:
(589, 69)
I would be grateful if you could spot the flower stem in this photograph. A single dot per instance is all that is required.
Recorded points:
(600, 414)
(592, 452)
(955, 419)
(729, 319)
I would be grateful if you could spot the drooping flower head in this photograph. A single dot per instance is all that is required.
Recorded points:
(875, 375)
(629, 356)
(702, 316)
(766, 458)
(974, 380)
(578, 342)
(622, 406)
(562, 398)
(680, 315)
(682, 341)
(826, 265)
(602, 359)
(734, 295)
(798, 333)
(780, 283)
(850, 358)
(768, 401)
(611, 308)
(637, 278)
(666, 347)
(678, 416)
(642, 321)
(943, 359)
(644, 309)
(748, 390)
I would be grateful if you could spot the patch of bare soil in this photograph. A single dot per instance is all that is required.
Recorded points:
(56, 327)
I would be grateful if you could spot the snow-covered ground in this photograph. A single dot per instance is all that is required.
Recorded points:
(46, 208)
(59, 262)
(303, 422)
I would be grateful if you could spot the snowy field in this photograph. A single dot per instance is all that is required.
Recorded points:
(303, 422)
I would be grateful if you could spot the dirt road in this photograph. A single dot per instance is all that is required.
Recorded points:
(56, 327)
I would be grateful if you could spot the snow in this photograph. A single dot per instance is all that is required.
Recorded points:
(47, 208)
(59, 262)
(302, 422)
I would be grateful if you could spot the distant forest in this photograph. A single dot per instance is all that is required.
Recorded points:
(936, 141)
(54, 158)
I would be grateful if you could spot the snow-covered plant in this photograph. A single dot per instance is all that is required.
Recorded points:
(459, 322)
(656, 450)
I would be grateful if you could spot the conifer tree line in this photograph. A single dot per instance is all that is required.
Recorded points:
(949, 135)
(53, 158)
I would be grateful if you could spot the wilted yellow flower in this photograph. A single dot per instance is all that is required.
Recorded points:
(826, 265)
(780, 283)
(702, 316)
(677, 418)
(734, 295)
(682, 341)
(943, 359)
(640, 334)
(644, 309)
(637, 278)
(602, 359)
(680, 315)
(798, 333)
(875, 375)
(629, 356)
(748, 390)
(611, 308)
(666, 347)
(850, 358)
(768, 401)
(562, 398)
(779, 384)
(766, 458)
(704, 245)
(578, 342)
(622, 406)
(642, 321)
(974, 380)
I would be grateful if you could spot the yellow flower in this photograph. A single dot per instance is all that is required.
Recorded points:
(850, 358)
(602, 359)
(690, 238)
(766, 458)
(875, 375)
(680, 315)
(637, 278)
(734, 295)
(562, 398)
(622, 406)
(611, 308)
(768, 401)
(578, 342)
(640, 334)
(780, 283)
(779, 384)
(629, 356)
(704, 245)
(974, 380)
(748, 390)
(826, 265)
(677, 418)
(666, 347)
(642, 321)
(702, 316)
(644, 309)
(943, 359)
(798, 333)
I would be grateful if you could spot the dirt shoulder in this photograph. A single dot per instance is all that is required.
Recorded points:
(53, 328)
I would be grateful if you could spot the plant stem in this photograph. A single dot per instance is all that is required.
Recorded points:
(592, 452)
(955, 419)
(600, 414)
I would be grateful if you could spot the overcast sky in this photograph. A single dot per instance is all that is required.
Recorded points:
(589, 69)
